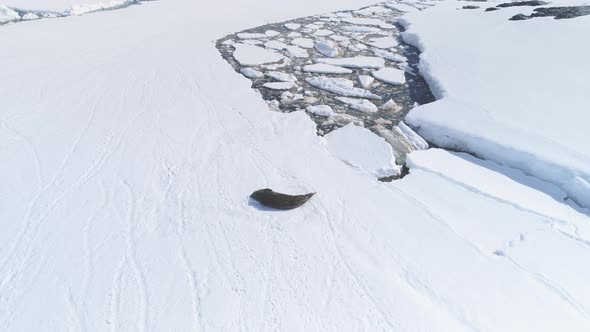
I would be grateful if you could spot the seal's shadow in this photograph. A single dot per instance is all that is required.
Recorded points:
(255, 204)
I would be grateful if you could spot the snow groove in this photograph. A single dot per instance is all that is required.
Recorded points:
(552, 286)
(365, 292)
(439, 219)
(554, 221)
(131, 236)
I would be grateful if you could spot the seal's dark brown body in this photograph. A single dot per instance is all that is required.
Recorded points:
(275, 200)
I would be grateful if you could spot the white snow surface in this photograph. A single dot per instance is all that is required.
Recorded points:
(501, 97)
(129, 149)
(359, 147)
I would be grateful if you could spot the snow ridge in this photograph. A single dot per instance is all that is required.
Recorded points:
(464, 120)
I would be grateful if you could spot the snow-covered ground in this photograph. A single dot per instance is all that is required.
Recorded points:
(513, 91)
(129, 148)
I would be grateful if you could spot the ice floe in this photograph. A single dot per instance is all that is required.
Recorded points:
(323, 32)
(360, 29)
(373, 10)
(280, 85)
(251, 73)
(292, 26)
(245, 35)
(275, 45)
(390, 75)
(361, 148)
(281, 77)
(340, 86)
(303, 42)
(250, 55)
(327, 48)
(390, 106)
(388, 55)
(402, 139)
(322, 68)
(356, 62)
(383, 42)
(361, 105)
(271, 33)
(366, 81)
(297, 51)
(369, 21)
(320, 110)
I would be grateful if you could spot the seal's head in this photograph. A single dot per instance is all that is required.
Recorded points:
(259, 194)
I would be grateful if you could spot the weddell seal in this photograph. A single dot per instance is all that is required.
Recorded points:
(276, 200)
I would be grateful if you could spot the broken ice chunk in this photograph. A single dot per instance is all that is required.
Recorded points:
(383, 42)
(340, 86)
(403, 140)
(363, 149)
(356, 62)
(320, 110)
(303, 42)
(357, 47)
(391, 106)
(374, 10)
(292, 26)
(366, 81)
(360, 29)
(280, 85)
(281, 77)
(271, 33)
(297, 52)
(368, 21)
(251, 73)
(275, 45)
(250, 55)
(327, 48)
(322, 68)
(323, 32)
(246, 35)
(390, 75)
(361, 105)
(388, 55)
